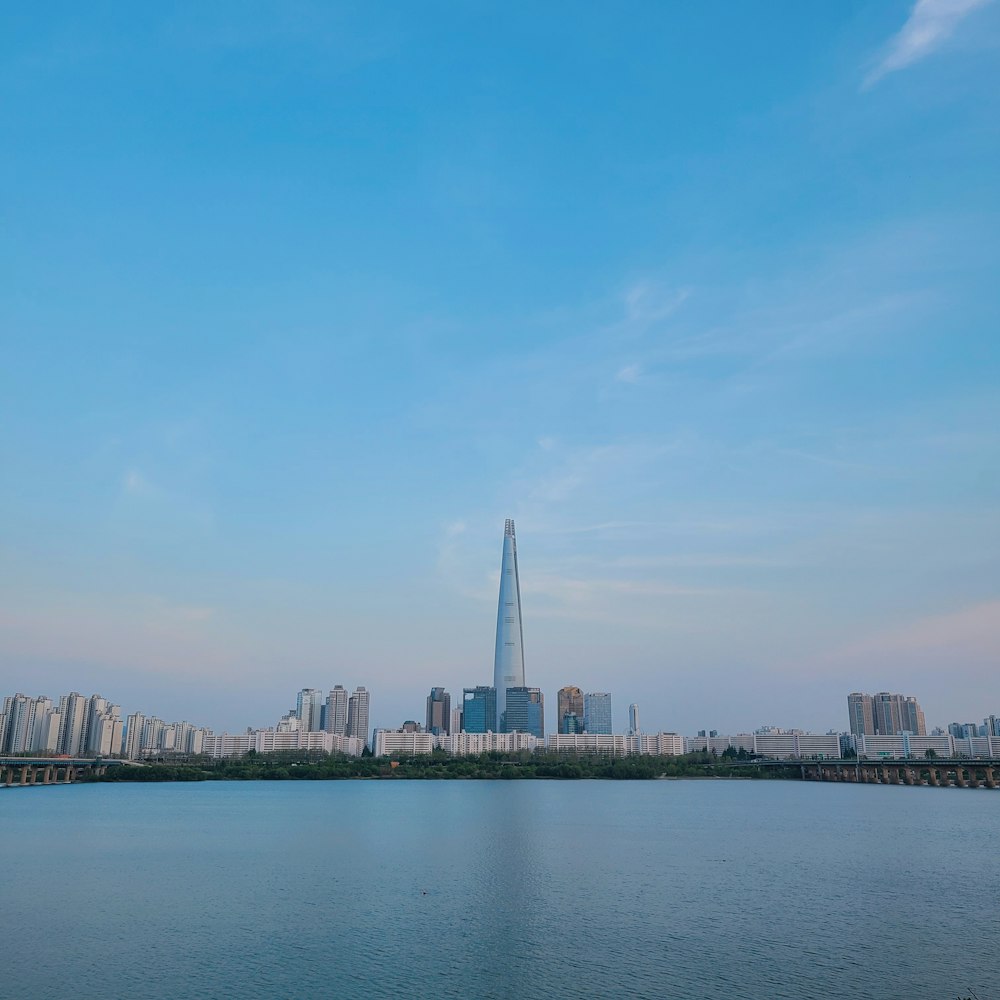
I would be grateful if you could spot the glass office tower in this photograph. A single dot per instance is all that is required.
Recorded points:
(479, 710)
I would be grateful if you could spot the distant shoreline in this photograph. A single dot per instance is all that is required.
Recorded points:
(491, 766)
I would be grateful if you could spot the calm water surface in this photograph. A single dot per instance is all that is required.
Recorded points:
(362, 889)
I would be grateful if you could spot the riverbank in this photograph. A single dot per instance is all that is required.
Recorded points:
(283, 767)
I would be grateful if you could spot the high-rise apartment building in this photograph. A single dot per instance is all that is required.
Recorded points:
(45, 727)
(357, 714)
(19, 712)
(152, 735)
(72, 709)
(479, 710)
(438, 712)
(100, 737)
(106, 735)
(597, 712)
(885, 714)
(309, 709)
(569, 702)
(335, 716)
(133, 735)
(861, 714)
(508, 657)
(525, 712)
(633, 719)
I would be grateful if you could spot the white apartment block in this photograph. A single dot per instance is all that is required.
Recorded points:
(469, 744)
(779, 745)
(274, 740)
(718, 744)
(784, 745)
(787, 745)
(904, 745)
(660, 744)
(392, 741)
(616, 745)
(277, 741)
(975, 746)
(228, 744)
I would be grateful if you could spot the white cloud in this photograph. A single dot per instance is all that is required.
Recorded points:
(648, 302)
(135, 483)
(930, 24)
(630, 374)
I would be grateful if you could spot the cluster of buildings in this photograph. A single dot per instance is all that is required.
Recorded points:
(506, 716)
(74, 726)
(884, 714)
(509, 706)
(77, 726)
(333, 723)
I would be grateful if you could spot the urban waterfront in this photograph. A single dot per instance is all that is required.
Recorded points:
(728, 889)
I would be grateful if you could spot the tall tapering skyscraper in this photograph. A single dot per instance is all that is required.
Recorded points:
(508, 659)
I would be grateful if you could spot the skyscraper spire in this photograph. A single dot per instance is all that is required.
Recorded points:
(508, 660)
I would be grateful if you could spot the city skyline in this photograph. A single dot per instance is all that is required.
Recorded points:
(346, 714)
(304, 303)
(80, 725)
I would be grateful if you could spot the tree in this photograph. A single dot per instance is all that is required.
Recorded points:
(930, 753)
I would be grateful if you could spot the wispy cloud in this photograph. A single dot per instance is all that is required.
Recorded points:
(930, 24)
(135, 484)
(630, 374)
(647, 302)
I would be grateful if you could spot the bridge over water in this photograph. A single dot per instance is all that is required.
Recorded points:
(937, 772)
(22, 771)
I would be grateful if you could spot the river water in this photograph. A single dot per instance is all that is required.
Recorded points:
(513, 889)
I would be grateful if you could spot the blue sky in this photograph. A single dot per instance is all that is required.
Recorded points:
(301, 300)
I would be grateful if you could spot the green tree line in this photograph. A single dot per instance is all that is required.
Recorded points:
(499, 766)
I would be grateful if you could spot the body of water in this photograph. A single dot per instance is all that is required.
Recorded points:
(516, 889)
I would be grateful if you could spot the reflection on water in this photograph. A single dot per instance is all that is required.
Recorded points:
(500, 889)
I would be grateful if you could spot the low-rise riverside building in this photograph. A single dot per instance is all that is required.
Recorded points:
(782, 745)
(659, 744)
(228, 744)
(278, 741)
(976, 746)
(778, 744)
(617, 744)
(718, 744)
(468, 744)
(785, 745)
(389, 742)
(272, 741)
(905, 745)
